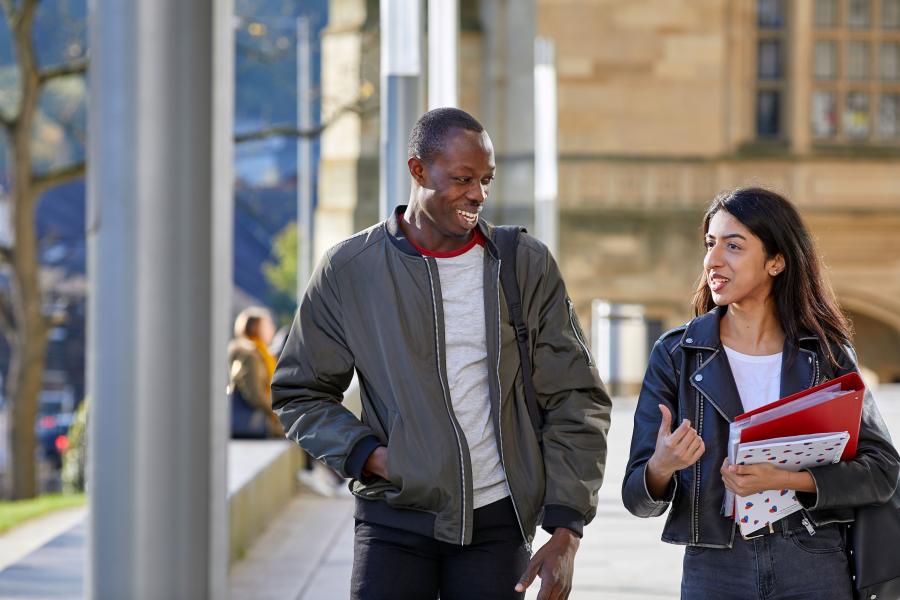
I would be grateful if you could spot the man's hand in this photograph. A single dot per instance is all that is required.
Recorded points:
(376, 464)
(555, 564)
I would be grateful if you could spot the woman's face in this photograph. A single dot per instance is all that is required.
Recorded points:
(736, 266)
(266, 330)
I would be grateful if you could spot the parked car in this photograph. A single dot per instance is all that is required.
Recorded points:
(56, 411)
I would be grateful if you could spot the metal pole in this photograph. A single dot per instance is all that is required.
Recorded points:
(443, 53)
(304, 157)
(546, 217)
(160, 238)
(400, 71)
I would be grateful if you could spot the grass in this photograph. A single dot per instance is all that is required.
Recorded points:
(16, 512)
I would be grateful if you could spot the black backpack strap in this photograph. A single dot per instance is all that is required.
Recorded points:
(507, 240)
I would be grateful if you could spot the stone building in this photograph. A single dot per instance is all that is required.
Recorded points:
(662, 104)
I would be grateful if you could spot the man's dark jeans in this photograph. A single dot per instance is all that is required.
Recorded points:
(392, 564)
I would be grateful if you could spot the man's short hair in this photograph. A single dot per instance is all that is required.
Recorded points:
(427, 138)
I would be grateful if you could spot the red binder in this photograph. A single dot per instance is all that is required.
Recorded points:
(841, 413)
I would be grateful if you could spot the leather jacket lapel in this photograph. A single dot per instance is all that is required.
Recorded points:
(711, 374)
(801, 372)
(714, 380)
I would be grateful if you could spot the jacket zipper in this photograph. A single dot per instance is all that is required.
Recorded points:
(578, 336)
(512, 496)
(699, 424)
(462, 468)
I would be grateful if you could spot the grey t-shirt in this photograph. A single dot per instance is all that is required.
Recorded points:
(462, 288)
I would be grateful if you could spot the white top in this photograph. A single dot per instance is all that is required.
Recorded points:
(758, 378)
(465, 337)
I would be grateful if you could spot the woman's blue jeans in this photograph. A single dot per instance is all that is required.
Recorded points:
(787, 564)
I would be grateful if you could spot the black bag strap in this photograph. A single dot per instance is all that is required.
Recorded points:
(506, 239)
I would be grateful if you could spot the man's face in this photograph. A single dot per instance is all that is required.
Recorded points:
(455, 183)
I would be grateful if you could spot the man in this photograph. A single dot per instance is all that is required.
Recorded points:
(449, 476)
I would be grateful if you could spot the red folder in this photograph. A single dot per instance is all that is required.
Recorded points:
(841, 413)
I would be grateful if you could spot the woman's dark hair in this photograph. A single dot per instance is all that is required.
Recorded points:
(803, 297)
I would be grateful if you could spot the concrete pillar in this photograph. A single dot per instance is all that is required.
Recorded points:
(443, 53)
(508, 105)
(160, 247)
(546, 163)
(800, 73)
(348, 165)
(401, 69)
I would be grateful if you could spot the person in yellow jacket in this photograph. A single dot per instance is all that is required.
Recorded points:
(251, 366)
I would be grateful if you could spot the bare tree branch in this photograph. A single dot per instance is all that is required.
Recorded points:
(7, 123)
(75, 67)
(6, 316)
(6, 255)
(279, 131)
(293, 131)
(45, 181)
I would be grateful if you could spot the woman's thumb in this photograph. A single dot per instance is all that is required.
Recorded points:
(666, 426)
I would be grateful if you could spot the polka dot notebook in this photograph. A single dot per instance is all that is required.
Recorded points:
(791, 454)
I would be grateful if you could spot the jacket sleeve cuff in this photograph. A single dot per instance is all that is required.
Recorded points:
(670, 490)
(358, 456)
(810, 500)
(637, 497)
(556, 515)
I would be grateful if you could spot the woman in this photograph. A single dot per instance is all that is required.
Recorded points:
(767, 326)
(250, 376)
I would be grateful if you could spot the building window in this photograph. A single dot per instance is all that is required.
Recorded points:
(826, 60)
(857, 60)
(859, 14)
(826, 13)
(890, 14)
(856, 115)
(824, 115)
(770, 14)
(855, 71)
(768, 113)
(771, 61)
(890, 62)
(889, 117)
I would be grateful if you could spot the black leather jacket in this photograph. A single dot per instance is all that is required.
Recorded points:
(689, 372)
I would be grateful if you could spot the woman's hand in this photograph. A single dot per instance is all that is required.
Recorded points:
(675, 450)
(746, 480)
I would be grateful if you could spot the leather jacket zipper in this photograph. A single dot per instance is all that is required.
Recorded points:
(462, 464)
(699, 424)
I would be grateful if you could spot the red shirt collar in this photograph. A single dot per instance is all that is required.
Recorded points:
(477, 238)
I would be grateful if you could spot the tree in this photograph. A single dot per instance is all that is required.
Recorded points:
(281, 273)
(31, 90)
(22, 317)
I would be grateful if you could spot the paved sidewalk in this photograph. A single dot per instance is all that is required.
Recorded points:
(24, 539)
(307, 553)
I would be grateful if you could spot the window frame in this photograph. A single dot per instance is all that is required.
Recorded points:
(842, 35)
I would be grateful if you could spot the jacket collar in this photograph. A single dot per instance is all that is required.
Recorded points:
(711, 374)
(402, 243)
